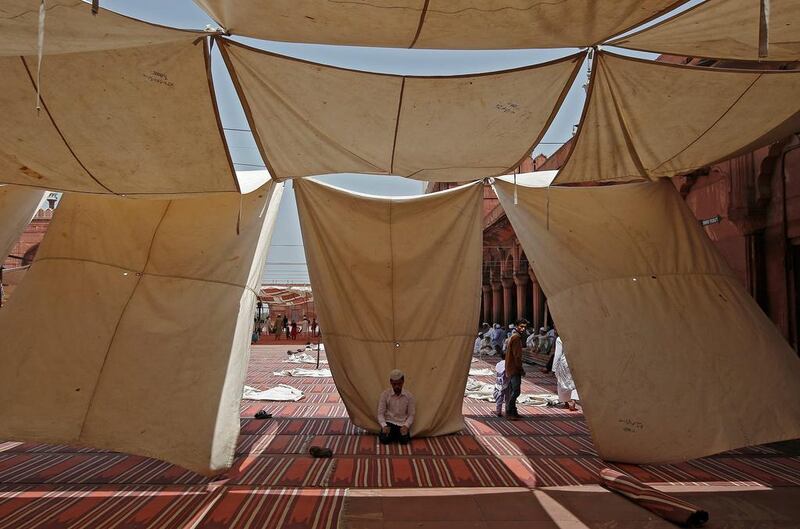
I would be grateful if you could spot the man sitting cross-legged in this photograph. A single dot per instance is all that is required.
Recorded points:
(396, 410)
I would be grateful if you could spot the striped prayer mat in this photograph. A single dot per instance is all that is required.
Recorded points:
(260, 508)
(93, 508)
(94, 469)
(407, 472)
(275, 483)
(730, 470)
(452, 445)
(667, 506)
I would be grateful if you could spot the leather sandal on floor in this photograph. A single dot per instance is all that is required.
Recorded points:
(263, 414)
(319, 451)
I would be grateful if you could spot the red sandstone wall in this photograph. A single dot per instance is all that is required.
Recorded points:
(31, 237)
(708, 198)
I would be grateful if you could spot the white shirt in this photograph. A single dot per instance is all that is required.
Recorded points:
(396, 409)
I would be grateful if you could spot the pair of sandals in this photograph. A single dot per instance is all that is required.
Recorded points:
(315, 451)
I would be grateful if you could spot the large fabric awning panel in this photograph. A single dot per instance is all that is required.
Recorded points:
(658, 331)
(17, 206)
(648, 119)
(382, 271)
(438, 24)
(127, 120)
(70, 27)
(286, 295)
(147, 329)
(733, 29)
(311, 119)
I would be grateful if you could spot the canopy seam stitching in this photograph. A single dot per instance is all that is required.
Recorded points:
(143, 273)
(119, 321)
(60, 134)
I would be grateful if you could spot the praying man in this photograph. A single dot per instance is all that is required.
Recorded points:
(396, 410)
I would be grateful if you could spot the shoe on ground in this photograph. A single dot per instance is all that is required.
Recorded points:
(319, 451)
(262, 414)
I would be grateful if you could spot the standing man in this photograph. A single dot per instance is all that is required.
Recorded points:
(498, 336)
(514, 370)
(396, 410)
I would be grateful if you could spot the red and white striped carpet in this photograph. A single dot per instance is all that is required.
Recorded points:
(275, 483)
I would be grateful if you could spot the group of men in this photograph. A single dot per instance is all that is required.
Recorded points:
(494, 340)
(397, 406)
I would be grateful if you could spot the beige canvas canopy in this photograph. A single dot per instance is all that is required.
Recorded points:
(397, 284)
(659, 333)
(70, 27)
(734, 29)
(647, 119)
(313, 119)
(17, 207)
(127, 120)
(153, 317)
(442, 24)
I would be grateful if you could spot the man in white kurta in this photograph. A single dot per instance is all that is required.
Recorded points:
(396, 410)
(567, 391)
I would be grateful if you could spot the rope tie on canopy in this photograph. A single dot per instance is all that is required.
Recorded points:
(239, 214)
(763, 30)
(39, 52)
(95, 7)
(516, 198)
(547, 209)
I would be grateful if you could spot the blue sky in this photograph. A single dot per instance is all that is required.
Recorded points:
(286, 260)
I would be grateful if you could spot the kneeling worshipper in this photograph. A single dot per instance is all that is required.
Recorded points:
(396, 410)
(567, 393)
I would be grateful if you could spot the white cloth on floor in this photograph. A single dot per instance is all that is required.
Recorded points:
(565, 386)
(485, 391)
(481, 372)
(479, 390)
(281, 392)
(302, 372)
(304, 358)
(538, 399)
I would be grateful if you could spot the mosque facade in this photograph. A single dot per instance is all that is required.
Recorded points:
(749, 206)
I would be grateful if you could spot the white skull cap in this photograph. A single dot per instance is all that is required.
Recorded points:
(396, 374)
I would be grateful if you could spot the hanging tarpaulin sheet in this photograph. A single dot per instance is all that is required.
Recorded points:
(127, 120)
(397, 285)
(310, 119)
(153, 317)
(647, 119)
(70, 27)
(729, 29)
(662, 339)
(17, 207)
(437, 24)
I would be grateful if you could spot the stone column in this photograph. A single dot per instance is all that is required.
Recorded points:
(521, 281)
(508, 284)
(497, 299)
(536, 297)
(487, 304)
